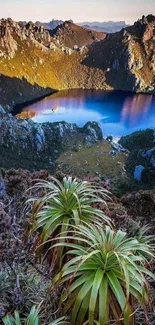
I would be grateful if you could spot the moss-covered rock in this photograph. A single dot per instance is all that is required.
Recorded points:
(138, 140)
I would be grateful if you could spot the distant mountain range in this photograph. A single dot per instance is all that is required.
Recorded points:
(105, 27)
(47, 25)
(51, 24)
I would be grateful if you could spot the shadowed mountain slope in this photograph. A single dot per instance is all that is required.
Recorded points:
(127, 57)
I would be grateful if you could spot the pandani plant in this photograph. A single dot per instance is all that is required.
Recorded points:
(32, 319)
(65, 205)
(105, 276)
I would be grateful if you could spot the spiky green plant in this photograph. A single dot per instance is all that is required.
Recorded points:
(143, 237)
(66, 204)
(141, 233)
(60, 321)
(32, 319)
(105, 276)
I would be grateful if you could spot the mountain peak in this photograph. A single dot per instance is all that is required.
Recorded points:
(72, 35)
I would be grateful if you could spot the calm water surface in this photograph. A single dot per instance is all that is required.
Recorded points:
(119, 113)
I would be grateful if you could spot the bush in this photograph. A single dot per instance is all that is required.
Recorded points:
(104, 276)
(66, 204)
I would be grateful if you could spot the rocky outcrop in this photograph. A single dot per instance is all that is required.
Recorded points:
(37, 146)
(11, 33)
(8, 44)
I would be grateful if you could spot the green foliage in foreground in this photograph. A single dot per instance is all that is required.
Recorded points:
(105, 271)
(32, 319)
(104, 276)
(66, 205)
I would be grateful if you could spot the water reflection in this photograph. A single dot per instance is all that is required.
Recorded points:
(119, 113)
(136, 109)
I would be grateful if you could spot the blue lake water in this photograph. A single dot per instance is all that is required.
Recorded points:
(119, 113)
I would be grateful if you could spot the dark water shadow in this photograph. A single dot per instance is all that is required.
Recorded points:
(19, 92)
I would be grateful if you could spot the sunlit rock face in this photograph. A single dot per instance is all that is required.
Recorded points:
(38, 145)
(7, 42)
(11, 33)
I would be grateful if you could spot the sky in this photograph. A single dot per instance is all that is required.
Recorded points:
(77, 10)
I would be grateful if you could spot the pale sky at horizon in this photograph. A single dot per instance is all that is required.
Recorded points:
(77, 10)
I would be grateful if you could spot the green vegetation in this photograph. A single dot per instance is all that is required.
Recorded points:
(102, 271)
(32, 319)
(65, 205)
(105, 275)
(94, 160)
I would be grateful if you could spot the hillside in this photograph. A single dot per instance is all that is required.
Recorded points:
(72, 35)
(34, 62)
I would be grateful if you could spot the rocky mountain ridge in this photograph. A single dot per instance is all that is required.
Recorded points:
(34, 62)
(51, 24)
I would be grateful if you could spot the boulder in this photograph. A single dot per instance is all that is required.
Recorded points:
(138, 172)
(93, 133)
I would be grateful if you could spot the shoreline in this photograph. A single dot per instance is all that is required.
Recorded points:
(17, 107)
